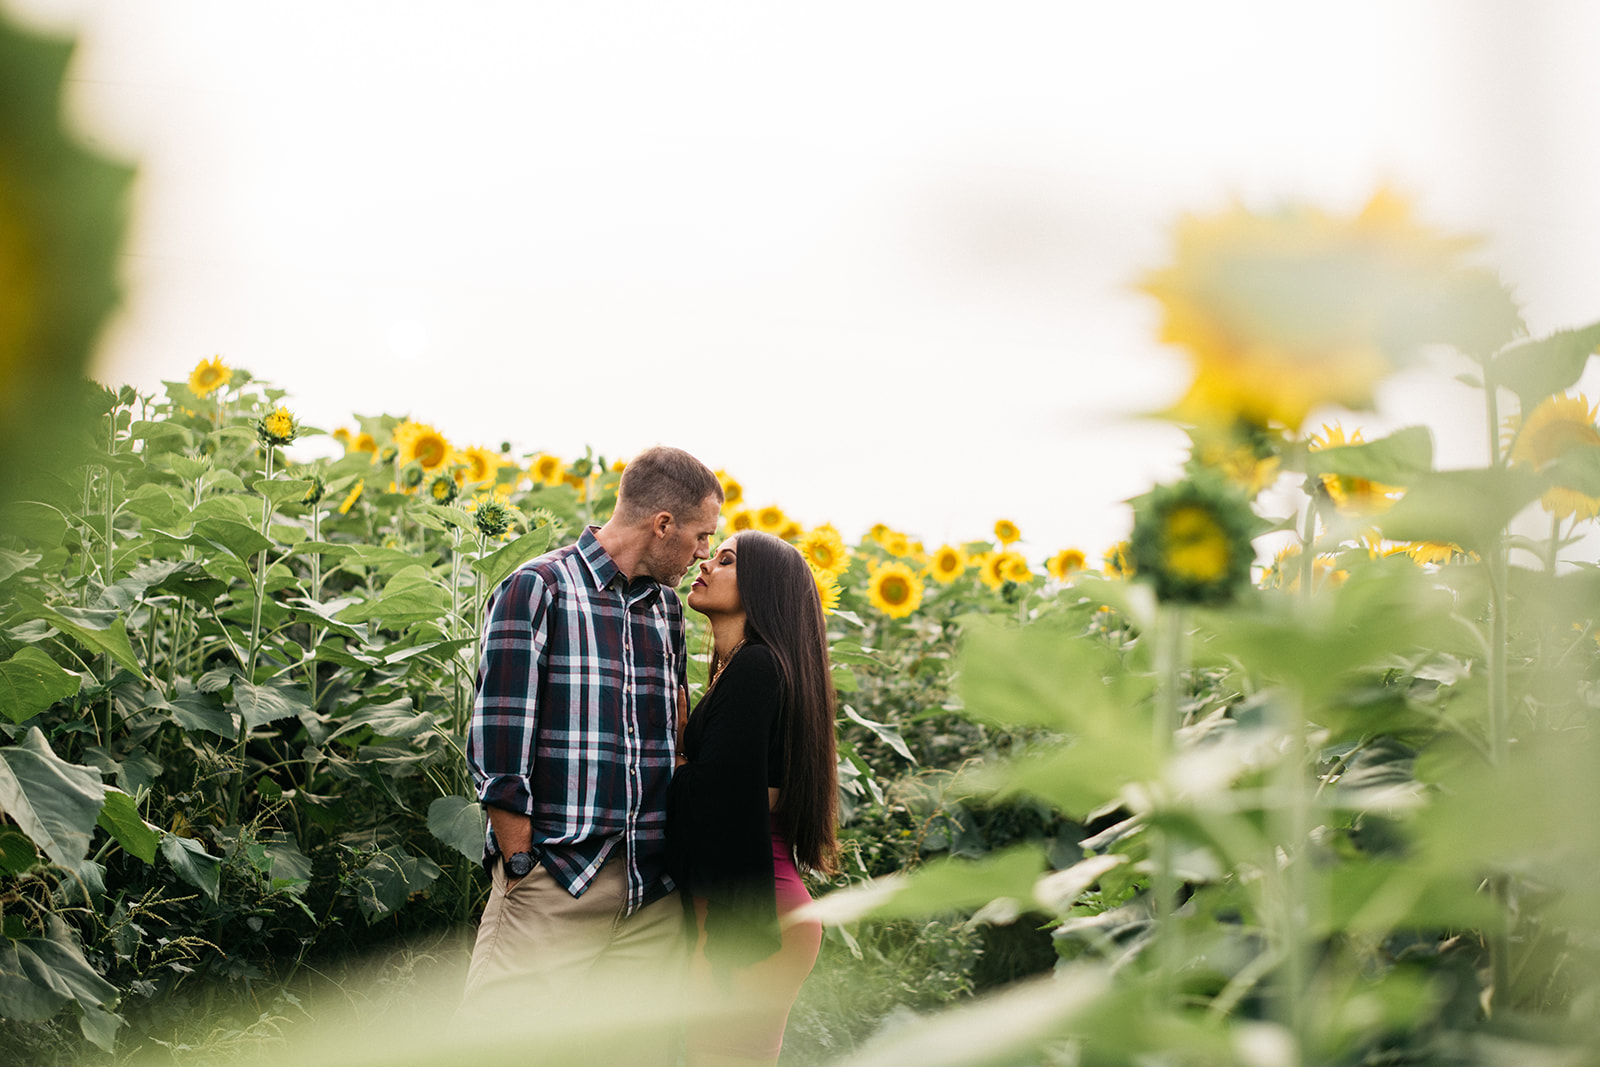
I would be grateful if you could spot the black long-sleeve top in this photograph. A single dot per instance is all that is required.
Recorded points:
(719, 833)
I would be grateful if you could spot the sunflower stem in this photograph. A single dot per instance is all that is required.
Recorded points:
(1499, 707)
(1308, 546)
(252, 651)
(1169, 675)
(316, 595)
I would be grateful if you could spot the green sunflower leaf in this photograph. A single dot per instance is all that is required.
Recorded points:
(1398, 459)
(1537, 369)
(1578, 468)
(30, 682)
(495, 566)
(120, 818)
(283, 490)
(54, 802)
(1467, 508)
(459, 823)
(193, 863)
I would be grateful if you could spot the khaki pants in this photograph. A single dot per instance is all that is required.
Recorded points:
(576, 974)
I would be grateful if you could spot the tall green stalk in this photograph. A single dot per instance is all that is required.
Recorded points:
(253, 649)
(1499, 707)
(1169, 680)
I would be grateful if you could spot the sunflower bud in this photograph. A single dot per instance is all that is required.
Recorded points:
(278, 427)
(1192, 541)
(493, 517)
(442, 488)
(318, 490)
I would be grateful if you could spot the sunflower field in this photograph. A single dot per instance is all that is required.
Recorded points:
(1303, 771)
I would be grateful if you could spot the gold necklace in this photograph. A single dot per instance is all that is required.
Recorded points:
(723, 662)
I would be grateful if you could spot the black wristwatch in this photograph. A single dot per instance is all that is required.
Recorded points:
(518, 864)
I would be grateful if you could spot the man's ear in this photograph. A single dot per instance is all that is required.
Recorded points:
(660, 523)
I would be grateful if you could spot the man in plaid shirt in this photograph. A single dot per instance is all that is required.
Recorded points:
(572, 744)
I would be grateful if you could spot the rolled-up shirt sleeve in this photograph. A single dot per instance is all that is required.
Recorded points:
(505, 711)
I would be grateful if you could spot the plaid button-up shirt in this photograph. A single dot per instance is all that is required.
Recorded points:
(574, 722)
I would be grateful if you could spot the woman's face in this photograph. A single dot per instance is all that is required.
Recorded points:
(716, 590)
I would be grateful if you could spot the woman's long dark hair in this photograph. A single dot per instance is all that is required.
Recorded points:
(783, 611)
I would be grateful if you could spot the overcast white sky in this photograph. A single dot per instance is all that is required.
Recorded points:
(873, 258)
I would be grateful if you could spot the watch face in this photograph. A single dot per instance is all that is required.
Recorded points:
(519, 864)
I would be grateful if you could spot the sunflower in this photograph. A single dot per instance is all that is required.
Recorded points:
(577, 482)
(948, 564)
(827, 591)
(895, 590)
(481, 464)
(411, 478)
(1006, 532)
(824, 549)
(771, 519)
(1192, 540)
(1286, 570)
(742, 519)
(1351, 495)
(364, 442)
(618, 466)
(877, 532)
(420, 443)
(277, 427)
(1435, 551)
(318, 490)
(1559, 425)
(209, 375)
(732, 491)
(1065, 564)
(442, 488)
(1118, 561)
(1015, 568)
(895, 543)
(994, 568)
(547, 470)
(350, 501)
(1246, 455)
(342, 435)
(1282, 312)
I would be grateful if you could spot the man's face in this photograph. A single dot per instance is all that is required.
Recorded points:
(680, 541)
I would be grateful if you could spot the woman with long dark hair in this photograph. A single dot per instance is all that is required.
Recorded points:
(754, 798)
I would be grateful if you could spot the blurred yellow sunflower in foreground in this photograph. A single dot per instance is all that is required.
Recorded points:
(1116, 563)
(547, 470)
(422, 444)
(1065, 564)
(827, 591)
(1351, 495)
(1006, 532)
(1282, 312)
(364, 442)
(895, 590)
(1557, 426)
(948, 564)
(209, 376)
(825, 550)
(742, 519)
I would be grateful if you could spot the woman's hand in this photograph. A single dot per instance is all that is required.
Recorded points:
(683, 722)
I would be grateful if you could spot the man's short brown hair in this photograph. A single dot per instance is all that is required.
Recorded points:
(664, 479)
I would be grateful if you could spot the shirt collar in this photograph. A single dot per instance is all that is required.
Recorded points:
(604, 572)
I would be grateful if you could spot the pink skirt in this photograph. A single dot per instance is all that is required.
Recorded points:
(746, 1017)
